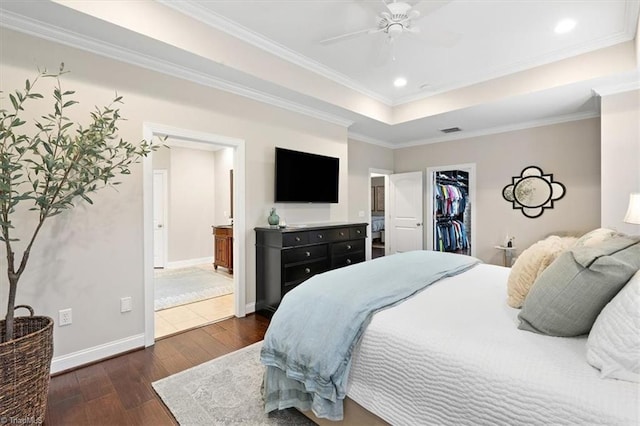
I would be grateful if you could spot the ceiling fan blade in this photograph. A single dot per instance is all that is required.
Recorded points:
(425, 8)
(348, 36)
(431, 38)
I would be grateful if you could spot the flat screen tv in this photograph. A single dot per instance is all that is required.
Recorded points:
(302, 177)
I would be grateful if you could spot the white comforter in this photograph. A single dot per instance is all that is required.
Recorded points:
(453, 355)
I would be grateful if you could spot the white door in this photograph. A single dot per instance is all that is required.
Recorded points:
(159, 218)
(405, 212)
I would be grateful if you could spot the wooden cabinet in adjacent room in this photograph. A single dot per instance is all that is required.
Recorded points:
(287, 257)
(223, 247)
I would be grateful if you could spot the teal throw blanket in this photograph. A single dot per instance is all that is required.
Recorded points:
(308, 345)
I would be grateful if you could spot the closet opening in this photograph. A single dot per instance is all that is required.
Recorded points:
(451, 201)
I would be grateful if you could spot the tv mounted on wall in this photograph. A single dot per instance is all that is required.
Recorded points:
(302, 177)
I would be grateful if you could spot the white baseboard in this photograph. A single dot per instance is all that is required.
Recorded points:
(250, 308)
(189, 262)
(96, 353)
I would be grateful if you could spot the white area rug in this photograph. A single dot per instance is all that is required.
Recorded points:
(224, 391)
(174, 287)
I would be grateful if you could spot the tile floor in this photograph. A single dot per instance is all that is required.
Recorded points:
(181, 318)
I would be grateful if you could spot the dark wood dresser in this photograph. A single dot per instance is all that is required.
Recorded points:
(285, 257)
(223, 247)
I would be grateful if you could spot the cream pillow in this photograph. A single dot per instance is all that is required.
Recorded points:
(530, 264)
(613, 346)
(596, 237)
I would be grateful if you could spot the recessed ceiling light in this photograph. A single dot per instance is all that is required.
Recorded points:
(400, 82)
(564, 26)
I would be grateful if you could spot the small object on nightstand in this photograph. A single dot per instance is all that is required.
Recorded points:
(508, 252)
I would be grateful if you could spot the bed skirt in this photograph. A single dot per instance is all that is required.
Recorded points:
(354, 415)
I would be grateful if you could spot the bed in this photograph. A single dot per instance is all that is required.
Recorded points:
(452, 354)
(377, 228)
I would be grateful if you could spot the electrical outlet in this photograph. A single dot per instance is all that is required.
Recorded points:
(126, 304)
(64, 317)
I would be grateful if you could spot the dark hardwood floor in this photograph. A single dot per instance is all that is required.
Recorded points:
(118, 391)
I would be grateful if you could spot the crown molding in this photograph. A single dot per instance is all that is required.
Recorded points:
(39, 29)
(206, 16)
(614, 89)
(196, 11)
(370, 140)
(502, 129)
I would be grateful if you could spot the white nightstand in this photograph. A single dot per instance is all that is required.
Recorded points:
(508, 253)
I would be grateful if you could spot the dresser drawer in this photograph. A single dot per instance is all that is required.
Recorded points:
(223, 231)
(339, 234)
(320, 236)
(347, 259)
(290, 239)
(301, 254)
(358, 232)
(303, 271)
(347, 247)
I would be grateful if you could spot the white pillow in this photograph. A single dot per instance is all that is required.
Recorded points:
(530, 264)
(613, 346)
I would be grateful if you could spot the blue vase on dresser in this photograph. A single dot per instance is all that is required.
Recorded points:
(273, 218)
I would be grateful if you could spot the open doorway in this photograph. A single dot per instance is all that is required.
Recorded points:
(451, 194)
(190, 139)
(193, 235)
(377, 215)
(378, 212)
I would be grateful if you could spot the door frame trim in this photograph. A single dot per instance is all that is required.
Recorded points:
(467, 167)
(151, 130)
(165, 207)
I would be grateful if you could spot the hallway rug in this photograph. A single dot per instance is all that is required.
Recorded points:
(224, 391)
(174, 287)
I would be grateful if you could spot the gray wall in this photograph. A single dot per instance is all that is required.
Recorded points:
(363, 157)
(192, 204)
(224, 163)
(191, 199)
(570, 151)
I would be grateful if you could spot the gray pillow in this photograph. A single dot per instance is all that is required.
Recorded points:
(567, 297)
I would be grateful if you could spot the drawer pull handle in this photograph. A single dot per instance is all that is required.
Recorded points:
(297, 238)
(348, 246)
(307, 270)
(341, 234)
(348, 261)
(357, 231)
(307, 253)
(320, 236)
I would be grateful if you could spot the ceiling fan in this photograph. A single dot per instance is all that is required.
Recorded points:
(399, 18)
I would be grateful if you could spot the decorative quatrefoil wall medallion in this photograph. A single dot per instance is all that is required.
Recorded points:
(533, 191)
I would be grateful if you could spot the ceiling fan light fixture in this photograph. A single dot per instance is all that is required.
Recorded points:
(564, 26)
(395, 29)
(400, 82)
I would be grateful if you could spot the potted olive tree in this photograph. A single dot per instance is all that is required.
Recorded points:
(47, 164)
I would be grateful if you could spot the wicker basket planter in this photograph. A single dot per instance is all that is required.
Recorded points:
(25, 363)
